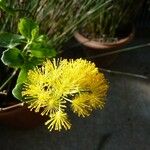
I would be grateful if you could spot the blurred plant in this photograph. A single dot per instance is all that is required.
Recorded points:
(58, 19)
(112, 18)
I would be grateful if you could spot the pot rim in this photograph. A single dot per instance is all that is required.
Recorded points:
(99, 45)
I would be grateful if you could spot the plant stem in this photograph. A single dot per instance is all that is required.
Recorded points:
(120, 50)
(7, 81)
(12, 107)
(124, 73)
(26, 46)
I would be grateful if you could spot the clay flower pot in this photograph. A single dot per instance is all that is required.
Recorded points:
(20, 117)
(94, 48)
(98, 45)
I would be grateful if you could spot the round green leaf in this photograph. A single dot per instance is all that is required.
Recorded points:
(28, 28)
(12, 58)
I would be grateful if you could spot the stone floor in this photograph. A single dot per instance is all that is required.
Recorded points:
(124, 123)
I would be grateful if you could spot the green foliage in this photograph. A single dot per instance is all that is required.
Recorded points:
(6, 8)
(10, 40)
(17, 91)
(25, 51)
(22, 75)
(28, 28)
(42, 51)
(12, 58)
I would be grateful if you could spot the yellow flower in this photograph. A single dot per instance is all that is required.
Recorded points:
(61, 83)
(98, 87)
(53, 105)
(57, 121)
(81, 106)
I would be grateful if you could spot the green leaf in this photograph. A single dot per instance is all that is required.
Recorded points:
(28, 28)
(9, 40)
(12, 58)
(34, 61)
(35, 33)
(17, 91)
(28, 65)
(22, 75)
(40, 50)
(44, 53)
(42, 39)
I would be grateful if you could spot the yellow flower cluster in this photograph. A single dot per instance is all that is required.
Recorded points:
(60, 84)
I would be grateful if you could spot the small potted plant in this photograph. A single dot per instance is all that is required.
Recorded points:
(33, 77)
(112, 27)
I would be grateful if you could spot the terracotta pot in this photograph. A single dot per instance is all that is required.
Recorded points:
(94, 48)
(20, 117)
(98, 45)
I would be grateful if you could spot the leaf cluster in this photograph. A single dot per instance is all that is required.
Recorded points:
(25, 50)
